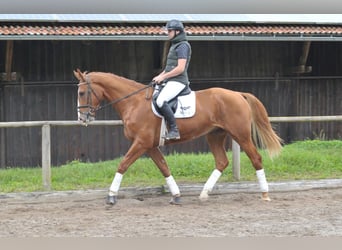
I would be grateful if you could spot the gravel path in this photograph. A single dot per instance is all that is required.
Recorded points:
(314, 212)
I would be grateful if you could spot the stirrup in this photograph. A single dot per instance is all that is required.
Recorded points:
(172, 135)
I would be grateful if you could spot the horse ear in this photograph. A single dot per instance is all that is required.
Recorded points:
(78, 74)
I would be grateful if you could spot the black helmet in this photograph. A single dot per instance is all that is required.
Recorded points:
(174, 25)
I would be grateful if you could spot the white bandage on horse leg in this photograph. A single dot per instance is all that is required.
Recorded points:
(114, 188)
(262, 180)
(209, 185)
(171, 183)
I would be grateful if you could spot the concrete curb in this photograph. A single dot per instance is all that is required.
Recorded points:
(188, 190)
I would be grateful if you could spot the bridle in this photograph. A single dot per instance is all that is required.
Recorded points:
(91, 109)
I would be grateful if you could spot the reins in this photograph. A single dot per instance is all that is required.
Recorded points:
(124, 97)
(90, 90)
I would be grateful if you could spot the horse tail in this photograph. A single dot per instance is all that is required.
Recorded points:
(262, 132)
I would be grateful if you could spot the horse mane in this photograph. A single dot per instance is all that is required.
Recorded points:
(131, 82)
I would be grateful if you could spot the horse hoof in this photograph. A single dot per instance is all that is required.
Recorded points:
(265, 197)
(203, 199)
(176, 200)
(203, 196)
(111, 200)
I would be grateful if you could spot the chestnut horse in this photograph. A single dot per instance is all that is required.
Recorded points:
(219, 112)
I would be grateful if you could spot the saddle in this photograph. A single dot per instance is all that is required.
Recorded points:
(183, 105)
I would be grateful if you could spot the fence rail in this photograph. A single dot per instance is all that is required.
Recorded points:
(46, 138)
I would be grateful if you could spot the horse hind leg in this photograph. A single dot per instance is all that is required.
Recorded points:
(216, 140)
(256, 160)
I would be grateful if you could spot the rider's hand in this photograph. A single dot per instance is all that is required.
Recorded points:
(158, 79)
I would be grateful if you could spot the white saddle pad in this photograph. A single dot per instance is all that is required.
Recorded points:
(186, 106)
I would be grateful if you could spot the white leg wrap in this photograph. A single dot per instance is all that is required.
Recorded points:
(114, 188)
(262, 180)
(171, 183)
(208, 186)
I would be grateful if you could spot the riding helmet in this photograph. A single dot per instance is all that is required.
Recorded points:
(175, 25)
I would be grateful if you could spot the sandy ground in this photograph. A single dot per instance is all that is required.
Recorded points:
(316, 212)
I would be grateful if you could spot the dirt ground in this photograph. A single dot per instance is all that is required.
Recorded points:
(316, 212)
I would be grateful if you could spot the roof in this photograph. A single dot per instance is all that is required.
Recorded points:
(150, 27)
(198, 18)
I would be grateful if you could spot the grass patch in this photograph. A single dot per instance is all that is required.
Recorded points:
(300, 160)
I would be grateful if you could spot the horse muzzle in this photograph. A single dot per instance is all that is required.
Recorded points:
(86, 118)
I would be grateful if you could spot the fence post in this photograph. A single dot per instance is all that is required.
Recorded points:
(46, 157)
(236, 160)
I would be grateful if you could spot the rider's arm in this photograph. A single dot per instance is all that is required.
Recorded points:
(179, 69)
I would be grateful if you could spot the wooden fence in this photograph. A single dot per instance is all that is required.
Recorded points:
(46, 138)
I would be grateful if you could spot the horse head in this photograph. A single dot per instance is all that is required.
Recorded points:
(87, 100)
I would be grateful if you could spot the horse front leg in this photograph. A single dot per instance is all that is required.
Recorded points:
(216, 140)
(134, 152)
(159, 160)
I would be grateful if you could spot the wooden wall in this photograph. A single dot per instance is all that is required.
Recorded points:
(46, 90)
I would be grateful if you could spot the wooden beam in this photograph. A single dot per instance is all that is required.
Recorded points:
(9, 59)
(236, 160)
(305, 52)
(302, 68)
(46, 157)
(2, 131)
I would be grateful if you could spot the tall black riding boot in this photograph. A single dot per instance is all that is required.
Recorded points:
(173, 133)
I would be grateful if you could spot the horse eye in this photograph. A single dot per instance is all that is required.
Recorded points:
(81, 94)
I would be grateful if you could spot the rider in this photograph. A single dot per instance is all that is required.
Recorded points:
(175, 74)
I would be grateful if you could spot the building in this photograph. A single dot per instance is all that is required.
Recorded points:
(292, 63)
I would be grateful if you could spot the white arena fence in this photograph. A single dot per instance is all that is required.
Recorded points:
(46, 138)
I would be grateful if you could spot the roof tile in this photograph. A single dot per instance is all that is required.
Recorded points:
(155, 29)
